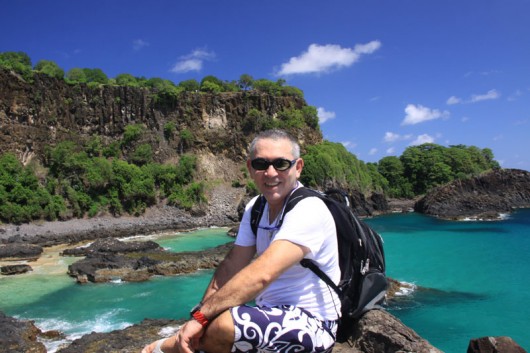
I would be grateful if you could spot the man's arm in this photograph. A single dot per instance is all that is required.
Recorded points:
(236, 259)
(246, 284)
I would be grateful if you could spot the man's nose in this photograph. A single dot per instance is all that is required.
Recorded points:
(271, 170)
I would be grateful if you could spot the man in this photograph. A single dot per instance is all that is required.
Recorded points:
(296, 311)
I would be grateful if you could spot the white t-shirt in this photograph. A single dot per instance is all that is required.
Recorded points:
(309, 224)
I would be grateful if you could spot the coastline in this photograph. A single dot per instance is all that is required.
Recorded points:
(221, 212)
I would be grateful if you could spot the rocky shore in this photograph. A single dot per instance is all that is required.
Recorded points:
(108, 258)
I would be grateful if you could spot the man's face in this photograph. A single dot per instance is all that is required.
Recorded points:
(273, 184)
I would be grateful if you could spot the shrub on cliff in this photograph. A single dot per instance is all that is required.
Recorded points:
(18, 62)
(49, 68)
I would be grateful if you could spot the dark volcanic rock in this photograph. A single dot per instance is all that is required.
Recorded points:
(484, 196)
(18, 336)
(376, 331)
(379, 331)
(20, 251)
(494, 345)
(15, 269)
(140, 266)
(113, 246)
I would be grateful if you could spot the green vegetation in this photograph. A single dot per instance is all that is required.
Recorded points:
(84, 180)
(330, 163)
(166, 92)
(415, 172)
(121, 177)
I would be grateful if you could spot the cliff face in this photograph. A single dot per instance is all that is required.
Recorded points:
(484, 196)
(47, 111)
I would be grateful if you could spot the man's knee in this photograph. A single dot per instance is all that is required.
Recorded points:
(219, 335)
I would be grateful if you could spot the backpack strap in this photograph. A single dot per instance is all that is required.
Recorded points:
(256, 213)
(310, 264)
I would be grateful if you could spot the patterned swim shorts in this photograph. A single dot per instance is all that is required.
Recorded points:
(280, 329)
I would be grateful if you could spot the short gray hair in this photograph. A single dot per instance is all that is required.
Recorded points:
(275, 134)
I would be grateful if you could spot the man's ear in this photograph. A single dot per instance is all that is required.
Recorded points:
(249, 167)
(299, 166)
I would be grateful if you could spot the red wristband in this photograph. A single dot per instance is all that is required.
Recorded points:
(200, 318)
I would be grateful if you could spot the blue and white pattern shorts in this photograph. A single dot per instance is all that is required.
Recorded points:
(280, 329)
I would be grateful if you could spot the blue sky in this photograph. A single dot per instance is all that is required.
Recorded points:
(384, 75)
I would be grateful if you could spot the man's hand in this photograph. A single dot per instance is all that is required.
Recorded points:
(188, 337)
(186, 340)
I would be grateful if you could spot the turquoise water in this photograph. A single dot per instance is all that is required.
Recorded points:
(475, 274)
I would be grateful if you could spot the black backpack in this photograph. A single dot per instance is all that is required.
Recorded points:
(363, 282)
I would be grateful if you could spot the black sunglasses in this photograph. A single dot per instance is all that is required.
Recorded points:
(280, 164)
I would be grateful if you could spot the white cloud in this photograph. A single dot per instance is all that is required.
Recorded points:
(139, 44)
(324, 115)
(372, 151)
(391, 150)
(492, 94)
(193, 61)
(391, 137)
(453, 100)
(418, 114)
(349, 144)
(421, 139)
(325, 58)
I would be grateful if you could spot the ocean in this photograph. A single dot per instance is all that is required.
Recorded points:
(471, 281)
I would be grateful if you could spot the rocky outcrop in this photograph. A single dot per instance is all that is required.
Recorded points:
(17, 336)
(14, 269)
(377, 331)
(494, 345)
(484, 196)
(20, 251)
(112, 260)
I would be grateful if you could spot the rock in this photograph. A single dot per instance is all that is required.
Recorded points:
(494, 345)
(113, 246)
(379, 331)
(20, 251)
(19, 336)
(130, 339)
(482, 197)
(140, 266)
(15, 269)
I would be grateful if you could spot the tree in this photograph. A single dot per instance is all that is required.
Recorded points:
(211, 87)
(49, 68)
(96, 75)
(245, 82)
(19, 62)
(126, 80)
(76, 75)
(190, 85)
